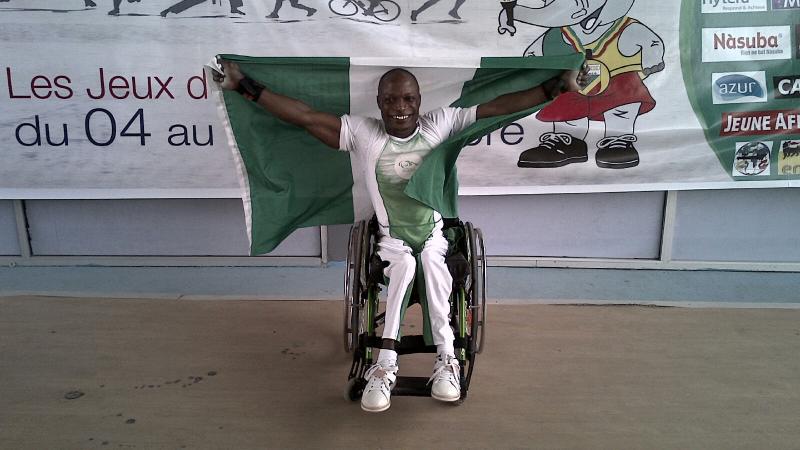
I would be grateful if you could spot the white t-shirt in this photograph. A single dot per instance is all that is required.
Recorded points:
(389, 162)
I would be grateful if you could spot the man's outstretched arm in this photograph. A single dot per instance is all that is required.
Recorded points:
(323, 126)
(569, 80)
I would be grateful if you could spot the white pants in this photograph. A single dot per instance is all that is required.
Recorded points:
(438, 283)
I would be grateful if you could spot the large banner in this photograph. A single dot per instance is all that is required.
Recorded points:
(108, 99)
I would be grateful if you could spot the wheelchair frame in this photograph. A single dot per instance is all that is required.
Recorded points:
(362, 285)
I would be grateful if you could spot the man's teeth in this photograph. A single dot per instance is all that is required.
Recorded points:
(401, 117)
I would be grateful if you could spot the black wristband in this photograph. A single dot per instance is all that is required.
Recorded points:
(250, 88)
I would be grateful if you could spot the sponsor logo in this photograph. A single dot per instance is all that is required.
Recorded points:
(738, 87)
(752, 123)
(752, 158)
(789, 158)
(787, 86)
(730, 6)
(785, 4)
(746, 43)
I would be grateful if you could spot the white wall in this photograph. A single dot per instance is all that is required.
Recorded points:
(754, 225)
(172, 227)
(622, 225)
(751, 225)
(9, 243)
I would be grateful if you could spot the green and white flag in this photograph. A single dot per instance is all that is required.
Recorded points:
(290, 180)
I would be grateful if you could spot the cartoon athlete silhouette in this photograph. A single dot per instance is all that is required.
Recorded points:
(86, 3)
(620, 53)
(453, 12)
(183, 5)
(295, 4)
(115, 10)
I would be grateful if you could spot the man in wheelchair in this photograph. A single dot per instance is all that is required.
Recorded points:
(391, 150)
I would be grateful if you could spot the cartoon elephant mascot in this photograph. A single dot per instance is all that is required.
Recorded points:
(620, 53)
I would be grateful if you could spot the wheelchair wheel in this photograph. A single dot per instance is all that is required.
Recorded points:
(354, 280)
(354, 389)
(477, 288)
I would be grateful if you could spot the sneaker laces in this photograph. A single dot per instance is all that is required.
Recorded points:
(446, 370)
(616, 142)
(551, 140)
(380, 377)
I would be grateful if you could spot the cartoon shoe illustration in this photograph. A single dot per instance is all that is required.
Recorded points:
(555, 150)
(620, 53)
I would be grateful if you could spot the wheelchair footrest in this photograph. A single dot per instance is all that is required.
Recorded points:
(412, 344)
(412, 386)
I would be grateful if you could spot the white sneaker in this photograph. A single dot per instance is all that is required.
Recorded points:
(380, 380)
(446, 375)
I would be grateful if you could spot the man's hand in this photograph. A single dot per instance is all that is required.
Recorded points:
(323, 126)
(575, 80)
(230, 77)
(568, 81)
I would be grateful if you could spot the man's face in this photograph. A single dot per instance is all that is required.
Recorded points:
(398, 100)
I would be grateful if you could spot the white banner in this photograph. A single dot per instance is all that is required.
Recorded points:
(107, 98)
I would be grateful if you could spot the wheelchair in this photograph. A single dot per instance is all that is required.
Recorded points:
(466, 262)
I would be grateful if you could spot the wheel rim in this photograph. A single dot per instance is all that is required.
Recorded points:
(482, 293)
(364, 251)
(351, 286)
(359, 298)
(347, 289)
(473, 287)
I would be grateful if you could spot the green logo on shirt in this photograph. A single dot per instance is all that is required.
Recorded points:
(406, 164)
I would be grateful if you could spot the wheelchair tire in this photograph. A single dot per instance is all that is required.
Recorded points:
(477, 288)
(354, 389)
(353, 285)
(484, 264)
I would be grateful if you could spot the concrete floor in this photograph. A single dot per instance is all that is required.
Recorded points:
(203, 374)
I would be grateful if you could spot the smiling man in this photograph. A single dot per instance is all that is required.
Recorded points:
(390, 150)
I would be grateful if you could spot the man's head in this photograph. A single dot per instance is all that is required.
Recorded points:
(399, 100)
